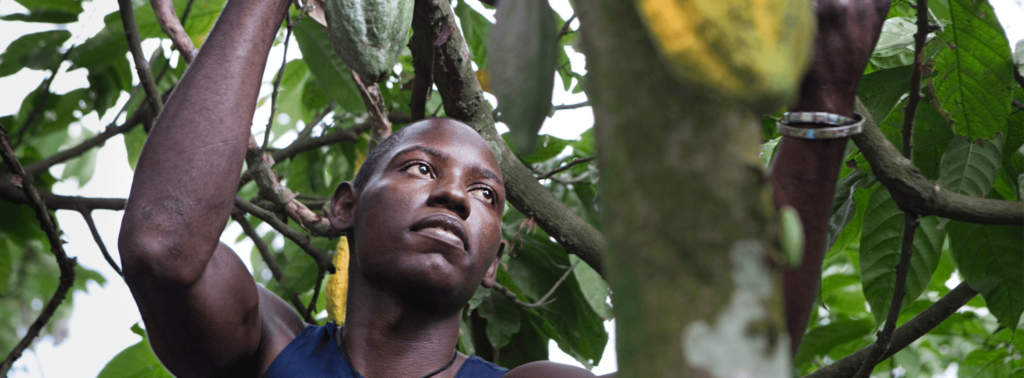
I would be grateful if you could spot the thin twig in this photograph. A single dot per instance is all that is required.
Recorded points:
(910, 221)
(264, 250)
(87, 215)
(571, 164)
(42, 102)
(46, 222)
(904, 335)
(131, 32)
(572, 106)
(300, 239)
(543, 300)
(13, 194)
(316, 293)
(98, 140)
(277, 86)
(168, 20)
(378, 110)
(565, 28)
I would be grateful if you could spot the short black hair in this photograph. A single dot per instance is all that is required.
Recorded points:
(389, 143)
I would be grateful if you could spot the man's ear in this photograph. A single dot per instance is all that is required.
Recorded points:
(343, 204)
(492, 271)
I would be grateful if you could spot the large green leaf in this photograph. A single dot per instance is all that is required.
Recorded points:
(821, 340)
(43, 15)
(844, 208)
(331, 73)
(136, 361)
(880, 252)
(70, 6)
(476, 30)
(971, 168)
(932, 135)
(987, 364)
(895, 45)
(82, 166)
(594, 288)
(201, 18)
(975, 73)
(882, 89)
(290, 108)
(503, 319)
(37, 51)
(546, 147)
(991, 260)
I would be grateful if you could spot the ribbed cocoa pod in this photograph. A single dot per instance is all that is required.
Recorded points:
(368, 35)
(523, 54)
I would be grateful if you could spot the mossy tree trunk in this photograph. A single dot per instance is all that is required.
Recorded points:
(687, 214)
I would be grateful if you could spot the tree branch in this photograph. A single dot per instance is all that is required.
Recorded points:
(910, 221)
(348, 135)
(377, 109)
(131, 31)
(565, 28)
(915, 193)
(46, 222)
(275, 270)
(11, 193)
(169, 23)
(98, 140)
(904, 335)
(571, 164)
(572, 106)
(463, 100)
(277, 84)
(87, 215)
(302, 240)
(308, 314)
(422, 65)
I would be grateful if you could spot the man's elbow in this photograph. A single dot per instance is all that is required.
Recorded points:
(150, 257)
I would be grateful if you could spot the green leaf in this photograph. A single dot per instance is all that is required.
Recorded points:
(82, 166)
(46, 16)
(133, 142)
(975, 73)
(476, 30)
(594, 288)
(932, 135)
(547, 147)
(37, 51)
(136, 361)
(300, 270)
(881, 90)
(290, 108)
(502, 319)
(331, 73)
(71, 6)
(985, 364)
(844, 208)
(880, 247)
(971, 168)
(528, 345)
(1015, 123)
(792, 236)
(991, 260)
(895, 45)
(819, 341)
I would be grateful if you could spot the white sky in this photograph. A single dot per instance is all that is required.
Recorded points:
(99, 325)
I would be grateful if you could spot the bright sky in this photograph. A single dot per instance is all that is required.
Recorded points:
(99, 325)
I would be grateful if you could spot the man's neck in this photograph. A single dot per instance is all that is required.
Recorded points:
(385, 337)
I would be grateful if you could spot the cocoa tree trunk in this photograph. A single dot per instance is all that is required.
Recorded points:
(688, 216)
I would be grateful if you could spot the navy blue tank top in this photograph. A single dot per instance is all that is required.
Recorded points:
(313, 354)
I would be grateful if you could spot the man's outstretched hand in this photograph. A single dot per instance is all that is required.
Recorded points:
(847, 33)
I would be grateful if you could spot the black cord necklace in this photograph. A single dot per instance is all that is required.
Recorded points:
(355, 374)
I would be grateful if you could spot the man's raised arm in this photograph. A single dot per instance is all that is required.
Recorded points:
(804, 172)
(199, 303)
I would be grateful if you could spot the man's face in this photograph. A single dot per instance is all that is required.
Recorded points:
(428, 222)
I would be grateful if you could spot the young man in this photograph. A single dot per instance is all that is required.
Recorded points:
(423, 218)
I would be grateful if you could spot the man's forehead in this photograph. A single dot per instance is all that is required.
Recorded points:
(440, 135)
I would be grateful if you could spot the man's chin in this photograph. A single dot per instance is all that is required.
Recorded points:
(428, 281)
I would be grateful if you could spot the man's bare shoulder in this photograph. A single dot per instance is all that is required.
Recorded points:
(548, 369)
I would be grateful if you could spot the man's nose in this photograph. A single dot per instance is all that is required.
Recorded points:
(450, 195)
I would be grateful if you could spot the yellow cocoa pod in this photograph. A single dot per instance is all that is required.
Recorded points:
(337, 283)
(753, 51)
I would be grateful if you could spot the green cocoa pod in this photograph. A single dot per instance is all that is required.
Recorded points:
(368, 35)
(523, 54)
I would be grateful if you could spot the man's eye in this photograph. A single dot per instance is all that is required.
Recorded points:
(484, 193)
(420, 169)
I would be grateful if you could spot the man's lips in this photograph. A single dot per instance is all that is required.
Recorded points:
(443, 227)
